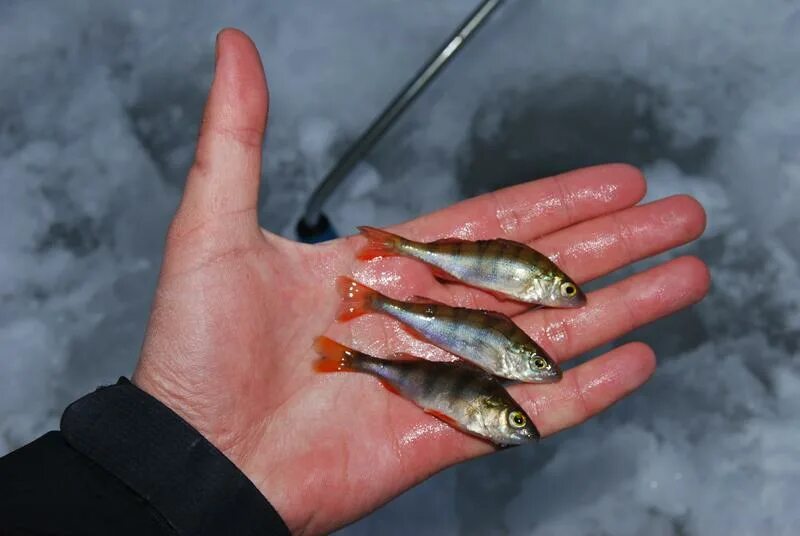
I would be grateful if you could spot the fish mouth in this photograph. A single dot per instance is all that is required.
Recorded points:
(579, 300)
(546, 379)
(528, 436)
(554, 375)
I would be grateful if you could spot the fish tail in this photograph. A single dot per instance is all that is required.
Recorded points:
(334, 357)
(380, 243)
(356, 298)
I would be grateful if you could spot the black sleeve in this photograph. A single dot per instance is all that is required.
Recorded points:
(124, 463)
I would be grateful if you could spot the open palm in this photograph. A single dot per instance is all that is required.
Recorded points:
(229, 344)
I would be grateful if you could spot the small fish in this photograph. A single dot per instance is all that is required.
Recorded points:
(505, 268)
(489, 340)
(460, 395)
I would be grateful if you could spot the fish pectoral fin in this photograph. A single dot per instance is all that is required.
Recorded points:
(487, 352)
(509, 242)
(465, 363)
(483, 347)
(495, 315)
(442, 417)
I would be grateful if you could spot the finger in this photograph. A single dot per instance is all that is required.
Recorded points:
(564, 333)
(582, 393)
(587, 389)
(533, 209)
(618, 309)
(593, 249)
(598, 247)
(225, 176)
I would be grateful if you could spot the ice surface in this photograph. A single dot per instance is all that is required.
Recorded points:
(98, 109)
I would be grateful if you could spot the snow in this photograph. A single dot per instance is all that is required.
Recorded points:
(99, 104)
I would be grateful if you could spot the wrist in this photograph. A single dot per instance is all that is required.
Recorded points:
(155, 452)
(210, 421)
(186, 404)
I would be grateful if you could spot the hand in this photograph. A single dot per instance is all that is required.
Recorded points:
(228, 346)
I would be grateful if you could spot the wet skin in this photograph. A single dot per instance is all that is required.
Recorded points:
(229, 342)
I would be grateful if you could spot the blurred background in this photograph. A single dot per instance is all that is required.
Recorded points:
(99, 105)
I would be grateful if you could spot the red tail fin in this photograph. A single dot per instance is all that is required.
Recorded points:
(381, 243)
(356, 298)
(335, 357)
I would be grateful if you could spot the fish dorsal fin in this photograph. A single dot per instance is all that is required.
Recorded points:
(510, 242)
(482, 347)
(494, 314)
(450, 240)
(424, 299)
(526, 247)
(453, 240)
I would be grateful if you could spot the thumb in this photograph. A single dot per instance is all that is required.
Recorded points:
(225, 176)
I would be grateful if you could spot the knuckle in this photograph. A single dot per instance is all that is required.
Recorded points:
(506, 217)
(624, 237)
(565, 198)
(631, 320)
(248, 137)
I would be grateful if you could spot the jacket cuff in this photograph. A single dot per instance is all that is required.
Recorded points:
(167, 462)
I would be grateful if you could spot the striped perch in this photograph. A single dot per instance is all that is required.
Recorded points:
(487, 339)
(505, 268)
(460, 395)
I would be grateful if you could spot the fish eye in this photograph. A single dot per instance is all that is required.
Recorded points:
(540, 363)
(568, 290)
(516, 419)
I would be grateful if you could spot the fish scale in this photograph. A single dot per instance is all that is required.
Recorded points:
(490, 340)
(461, 395)
(506, 268)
